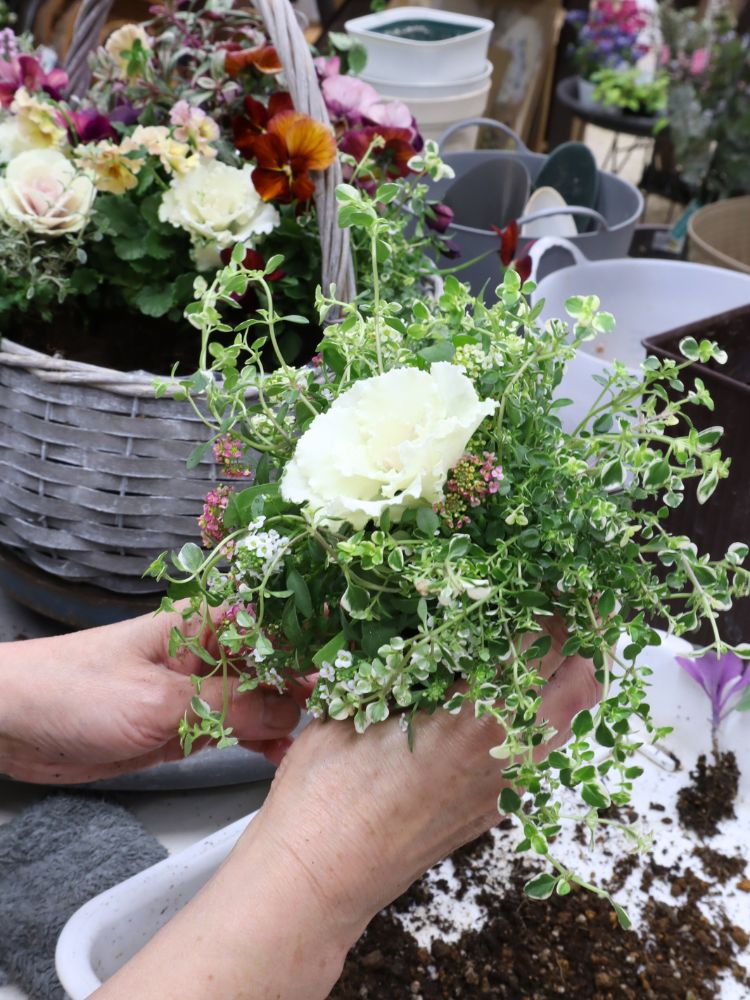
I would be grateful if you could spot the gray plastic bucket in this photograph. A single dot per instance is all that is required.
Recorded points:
(618, 208)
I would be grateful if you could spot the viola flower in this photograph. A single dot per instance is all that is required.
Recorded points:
(391, 158)
(193, 126)
(439, 216)
(264, 58)
(26, 72)
(211, 521)
(176, 157)
(255, 120)
(721, 677)
(91, 125)
(111, 169)
(508, 248)
(293, 145)
(228, 453)
(38, 119)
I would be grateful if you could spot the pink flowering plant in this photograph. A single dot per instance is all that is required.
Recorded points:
(418, 512)
(609, 35)
(114, 203)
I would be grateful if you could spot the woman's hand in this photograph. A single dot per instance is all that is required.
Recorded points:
(350, 822)
(108, 700)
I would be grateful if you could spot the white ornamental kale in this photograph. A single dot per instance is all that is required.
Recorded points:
(387, 443)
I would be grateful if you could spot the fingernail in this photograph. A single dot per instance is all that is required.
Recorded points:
(279, 712)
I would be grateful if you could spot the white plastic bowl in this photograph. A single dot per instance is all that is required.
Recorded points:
(429, 89)
(404, 60)
(646, 297)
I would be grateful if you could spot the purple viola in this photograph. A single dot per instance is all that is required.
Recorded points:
(723, 678)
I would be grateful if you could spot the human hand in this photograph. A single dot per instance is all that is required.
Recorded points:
(366, 817)
(98, 703)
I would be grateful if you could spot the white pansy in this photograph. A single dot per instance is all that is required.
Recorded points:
(385, 444)
(218, 205)
(121, 43)
(42, 192)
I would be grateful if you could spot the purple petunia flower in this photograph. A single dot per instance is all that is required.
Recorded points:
(721, 677)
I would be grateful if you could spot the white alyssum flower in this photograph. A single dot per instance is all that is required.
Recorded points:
(42, 192)
(385, 444)
(217, 205)
(259, 552)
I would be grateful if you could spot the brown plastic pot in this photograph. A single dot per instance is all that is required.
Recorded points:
(725, 517)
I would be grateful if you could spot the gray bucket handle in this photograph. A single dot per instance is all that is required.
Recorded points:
(490, 123)
(544, 213)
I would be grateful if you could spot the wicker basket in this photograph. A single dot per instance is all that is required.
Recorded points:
(93, 476)
(720, 234)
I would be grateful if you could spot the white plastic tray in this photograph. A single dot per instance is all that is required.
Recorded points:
(111, 928)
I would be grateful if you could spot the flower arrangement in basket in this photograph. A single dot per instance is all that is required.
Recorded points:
(185, 143)
(419, 526)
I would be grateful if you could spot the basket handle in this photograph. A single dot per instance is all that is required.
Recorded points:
(489, 123)
(302, 80)
(544, 213)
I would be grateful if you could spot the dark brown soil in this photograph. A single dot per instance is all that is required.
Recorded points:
(709, 798)
(569, 946)
(117, 340)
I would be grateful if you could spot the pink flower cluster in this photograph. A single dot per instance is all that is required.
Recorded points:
(696, 63)
(229, 455)
(211, 521)
(472, 479)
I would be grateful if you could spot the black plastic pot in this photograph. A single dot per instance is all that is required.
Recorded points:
(725, 518)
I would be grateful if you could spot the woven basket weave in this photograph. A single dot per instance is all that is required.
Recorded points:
(93, 480)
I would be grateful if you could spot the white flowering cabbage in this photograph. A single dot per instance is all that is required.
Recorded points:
(42, 192)
(218, 205)
(387, 443)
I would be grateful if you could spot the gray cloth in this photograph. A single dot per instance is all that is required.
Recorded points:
(54, 857)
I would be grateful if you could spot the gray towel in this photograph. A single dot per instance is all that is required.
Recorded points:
(54, 857)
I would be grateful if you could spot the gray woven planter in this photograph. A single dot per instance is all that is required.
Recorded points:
(93, 476)
(93, 479)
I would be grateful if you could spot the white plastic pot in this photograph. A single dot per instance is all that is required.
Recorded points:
(404, 60)
(428, 89)
(105, 933)
(436, 114)
(646, 297)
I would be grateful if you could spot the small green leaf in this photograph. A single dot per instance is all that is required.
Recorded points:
(541, 887)
(582, 724)
(510, 801)
(622, 918)
(427, 520)
(296, 583)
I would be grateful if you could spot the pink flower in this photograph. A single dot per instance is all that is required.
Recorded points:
(665, 55)
(229, 454)
(699, 62)
(348, 97)
(211, 521)
(26, 72)
(393, 114)
(327, 67)
(194, 126)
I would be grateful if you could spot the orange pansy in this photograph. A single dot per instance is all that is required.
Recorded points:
(293, 145)
(265, 59)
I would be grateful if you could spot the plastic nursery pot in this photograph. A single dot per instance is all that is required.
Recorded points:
(725, 517)
(619, 206)
(719, 234)
(415, 44)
